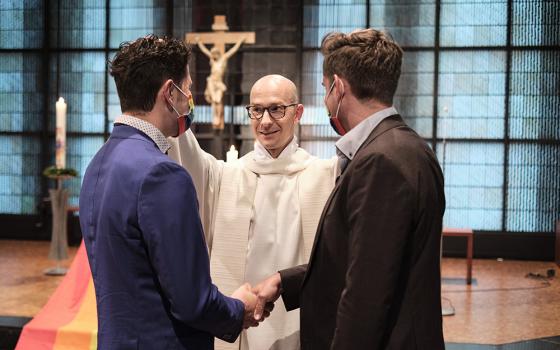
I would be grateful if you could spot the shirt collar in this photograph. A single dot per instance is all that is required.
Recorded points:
(349, 144)
(260, 153)
(147, 128)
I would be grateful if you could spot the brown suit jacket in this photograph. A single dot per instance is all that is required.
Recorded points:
(373, 279)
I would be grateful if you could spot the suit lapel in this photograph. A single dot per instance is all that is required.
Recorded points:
(385, 125)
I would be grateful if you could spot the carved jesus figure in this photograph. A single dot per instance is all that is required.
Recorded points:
(215, 86)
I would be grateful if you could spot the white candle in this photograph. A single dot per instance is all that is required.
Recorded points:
(231, 155)
(60, 133)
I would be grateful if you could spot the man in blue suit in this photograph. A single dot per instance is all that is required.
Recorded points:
(139, 217)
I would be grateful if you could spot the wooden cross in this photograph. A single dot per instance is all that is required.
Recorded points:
(220, 37)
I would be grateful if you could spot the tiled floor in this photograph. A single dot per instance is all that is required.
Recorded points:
(501, 310)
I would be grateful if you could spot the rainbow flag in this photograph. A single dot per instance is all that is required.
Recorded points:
(69, 319)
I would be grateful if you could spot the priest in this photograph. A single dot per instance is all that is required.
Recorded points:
(260, 212)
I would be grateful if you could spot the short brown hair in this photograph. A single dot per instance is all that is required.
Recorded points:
(368, 59)
(141, 66)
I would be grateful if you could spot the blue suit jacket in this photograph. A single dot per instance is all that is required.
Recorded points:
(147, 253)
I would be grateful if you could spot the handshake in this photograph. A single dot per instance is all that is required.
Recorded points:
(259, 300)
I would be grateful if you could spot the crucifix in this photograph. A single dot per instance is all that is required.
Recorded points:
(215, 86)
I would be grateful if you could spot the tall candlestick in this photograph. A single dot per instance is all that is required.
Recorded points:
(231, 155)
(60, 133)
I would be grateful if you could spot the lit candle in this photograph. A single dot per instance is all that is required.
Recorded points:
(231, 155)
(60, 133)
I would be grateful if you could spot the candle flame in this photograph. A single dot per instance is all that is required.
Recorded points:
(60, 99)
(232, 148)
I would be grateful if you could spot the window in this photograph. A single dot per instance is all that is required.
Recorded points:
(479, 83)
(488, 104)
(68, 61)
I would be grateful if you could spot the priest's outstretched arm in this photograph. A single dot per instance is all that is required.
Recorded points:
(206, 173)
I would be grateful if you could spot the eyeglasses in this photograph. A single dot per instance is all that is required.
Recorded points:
(275, 111)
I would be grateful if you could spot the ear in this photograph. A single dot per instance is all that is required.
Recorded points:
(299, 113)
(339, 84)
(167, 90)
(164, 94)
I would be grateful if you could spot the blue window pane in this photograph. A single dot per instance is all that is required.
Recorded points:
(471, 94)
(314, 124)
(239, 117)
(82, 85)
(113, 104)
(533, 188)
(535, 22)
(473, 23)
(474, 176)
(80, 150)
(19, 174)
(204, 114)
(312, 92)
(328, 16)
(21, 101)
(21, 24)
(414, 97)
(534, 95)
(411, 23)
(312, 96)
(133, 19)
(82, 24)
(316, 131)
(321, 149)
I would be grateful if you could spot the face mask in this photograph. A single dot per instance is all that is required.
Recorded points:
(334, 121)
(184, 121)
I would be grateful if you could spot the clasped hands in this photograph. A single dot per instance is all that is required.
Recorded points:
(259, 300)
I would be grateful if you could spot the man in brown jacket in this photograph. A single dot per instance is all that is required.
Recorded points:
(373, 278)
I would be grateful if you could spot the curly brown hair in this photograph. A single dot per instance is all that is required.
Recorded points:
(141, 66)
(368, 59)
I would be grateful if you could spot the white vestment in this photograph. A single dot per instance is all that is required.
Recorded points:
(259, 216)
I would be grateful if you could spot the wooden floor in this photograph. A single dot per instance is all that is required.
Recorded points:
(24, 288)
(502, 306)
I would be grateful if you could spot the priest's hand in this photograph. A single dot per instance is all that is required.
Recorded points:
(249, 299)
(268, 291)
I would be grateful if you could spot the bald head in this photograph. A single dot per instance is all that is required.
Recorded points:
(278, 85)
(271, 94)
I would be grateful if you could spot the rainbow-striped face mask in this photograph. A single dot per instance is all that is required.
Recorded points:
(184, 121)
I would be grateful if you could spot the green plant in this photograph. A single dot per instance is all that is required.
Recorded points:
(54, 172)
